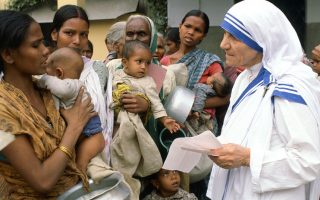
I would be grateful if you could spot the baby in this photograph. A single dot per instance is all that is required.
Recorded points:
(217, 85)
(167, 186)
(63, 68)
(133, 79)
(201, 119)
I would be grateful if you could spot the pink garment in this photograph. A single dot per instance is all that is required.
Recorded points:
(165, 61)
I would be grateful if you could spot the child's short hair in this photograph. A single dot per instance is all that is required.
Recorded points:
(130, 46)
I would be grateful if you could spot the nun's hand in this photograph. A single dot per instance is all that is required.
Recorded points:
(231, 156)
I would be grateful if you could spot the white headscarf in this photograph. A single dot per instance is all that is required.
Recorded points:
(266, 29)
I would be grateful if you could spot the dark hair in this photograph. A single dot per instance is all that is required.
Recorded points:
(90, 45)
(173, 35)
(67, 12)
(202, 15)
(13, 30)
(223, 87)
(130, 46)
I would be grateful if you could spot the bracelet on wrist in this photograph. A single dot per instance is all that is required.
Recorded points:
(66, 151)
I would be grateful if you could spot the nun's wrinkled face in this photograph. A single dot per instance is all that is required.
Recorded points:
(238, 53)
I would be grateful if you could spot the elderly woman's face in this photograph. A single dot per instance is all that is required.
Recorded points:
(238, 53)
(138, 29)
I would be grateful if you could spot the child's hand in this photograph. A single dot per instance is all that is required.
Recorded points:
(170, 124)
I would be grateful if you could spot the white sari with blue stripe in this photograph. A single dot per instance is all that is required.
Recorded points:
(258, 118)
(274, 110)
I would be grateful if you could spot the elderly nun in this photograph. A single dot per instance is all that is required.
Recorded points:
(271, 132)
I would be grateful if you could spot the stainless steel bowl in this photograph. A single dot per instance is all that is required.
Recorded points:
(110, 187)
(179, 103)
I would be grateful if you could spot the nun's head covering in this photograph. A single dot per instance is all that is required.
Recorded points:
(263, 27)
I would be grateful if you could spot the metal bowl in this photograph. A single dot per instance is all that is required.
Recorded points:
(179, 103)
(110, 187)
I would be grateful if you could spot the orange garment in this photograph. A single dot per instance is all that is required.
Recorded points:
(18, 117)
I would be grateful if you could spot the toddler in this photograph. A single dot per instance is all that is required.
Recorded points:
(133, 78)
(133, 151)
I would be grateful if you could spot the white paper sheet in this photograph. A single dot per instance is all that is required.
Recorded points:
(185, 153)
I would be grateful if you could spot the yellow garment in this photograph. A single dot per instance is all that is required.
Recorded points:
(116, 97)
(18, 117)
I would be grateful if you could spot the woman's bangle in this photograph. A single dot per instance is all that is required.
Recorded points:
(66, 151)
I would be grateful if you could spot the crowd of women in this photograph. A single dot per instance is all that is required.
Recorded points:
(270, 134)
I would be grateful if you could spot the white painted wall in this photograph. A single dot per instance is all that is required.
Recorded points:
(215, 9)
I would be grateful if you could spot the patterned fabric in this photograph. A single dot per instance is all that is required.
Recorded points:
(19, 118)
(197, 62)
(181, 194)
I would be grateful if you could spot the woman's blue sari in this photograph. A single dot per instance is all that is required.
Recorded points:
(198, 61)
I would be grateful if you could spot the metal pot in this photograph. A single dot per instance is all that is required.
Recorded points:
(110, 187)
(179, 103)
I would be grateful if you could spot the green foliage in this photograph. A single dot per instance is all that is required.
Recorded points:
(25, 5)
(157, 11)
